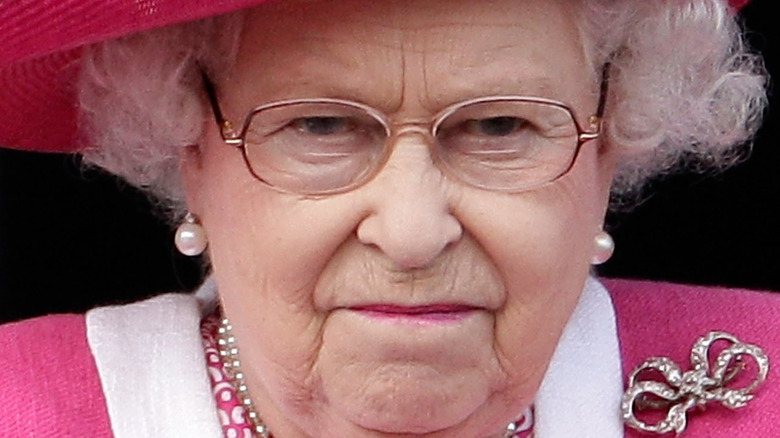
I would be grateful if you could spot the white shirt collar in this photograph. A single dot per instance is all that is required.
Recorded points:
(580, 394)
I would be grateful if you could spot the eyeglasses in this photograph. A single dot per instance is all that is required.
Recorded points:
(326, 146)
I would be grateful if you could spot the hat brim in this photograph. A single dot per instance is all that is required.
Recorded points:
(41, 46)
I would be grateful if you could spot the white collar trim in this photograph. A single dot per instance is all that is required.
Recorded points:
(152, 368)
(580, 394)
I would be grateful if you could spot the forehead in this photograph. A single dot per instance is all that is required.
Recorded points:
(383, 52)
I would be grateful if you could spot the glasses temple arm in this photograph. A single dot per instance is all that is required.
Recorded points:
(596, 119)
(211, 92)
(604, 90)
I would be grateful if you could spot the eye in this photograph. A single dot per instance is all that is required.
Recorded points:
(323, 125)
(495, 126)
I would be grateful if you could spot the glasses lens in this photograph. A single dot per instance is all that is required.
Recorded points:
(507, 144)
(314, 147)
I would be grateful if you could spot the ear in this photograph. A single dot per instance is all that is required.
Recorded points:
(191, 168)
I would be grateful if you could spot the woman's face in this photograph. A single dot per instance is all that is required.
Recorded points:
(414, 304)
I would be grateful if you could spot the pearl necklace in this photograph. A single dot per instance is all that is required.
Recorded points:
(228, 353)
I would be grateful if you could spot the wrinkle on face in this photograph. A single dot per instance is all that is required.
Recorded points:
(394, 43)
(461, 275)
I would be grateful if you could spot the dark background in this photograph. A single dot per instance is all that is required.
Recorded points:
(70, 240)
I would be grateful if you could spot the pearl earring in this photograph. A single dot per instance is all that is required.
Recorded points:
(190, 238)
(604, 246)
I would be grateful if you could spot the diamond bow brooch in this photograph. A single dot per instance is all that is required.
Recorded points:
(683, 391)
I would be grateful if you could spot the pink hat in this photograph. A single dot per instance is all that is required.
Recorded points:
(41, 46)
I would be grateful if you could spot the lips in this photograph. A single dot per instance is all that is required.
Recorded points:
(434, 312)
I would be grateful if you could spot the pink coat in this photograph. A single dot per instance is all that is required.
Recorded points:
(659, 319)
(61, 395)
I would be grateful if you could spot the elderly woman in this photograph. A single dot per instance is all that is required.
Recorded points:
(400, 203)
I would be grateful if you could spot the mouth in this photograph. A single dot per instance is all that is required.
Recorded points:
(425, 313)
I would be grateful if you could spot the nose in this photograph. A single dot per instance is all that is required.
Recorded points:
(410, 218)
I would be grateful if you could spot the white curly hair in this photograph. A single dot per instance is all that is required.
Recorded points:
(684, 90)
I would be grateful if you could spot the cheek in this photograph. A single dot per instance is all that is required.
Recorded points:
(544, 237)
(267, 255)
(261, 239)
(541, 243)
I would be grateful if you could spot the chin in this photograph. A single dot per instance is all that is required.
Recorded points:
(412, 400)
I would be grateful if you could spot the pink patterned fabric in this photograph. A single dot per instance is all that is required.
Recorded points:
(41, 48)
(662, 319)
(232, 414)
(49, 386)
(525, 427)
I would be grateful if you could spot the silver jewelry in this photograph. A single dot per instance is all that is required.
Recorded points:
(603, 248)
(190, 237)
(228, 353)
(684, 391)
(514, 428)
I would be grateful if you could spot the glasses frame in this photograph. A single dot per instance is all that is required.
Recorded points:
(237, 139)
